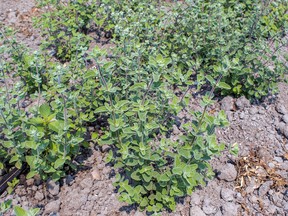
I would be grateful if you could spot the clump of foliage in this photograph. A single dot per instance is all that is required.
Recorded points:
(5, 206)
(240, 40)
(231, 46)
(64, 26)
(49, 133)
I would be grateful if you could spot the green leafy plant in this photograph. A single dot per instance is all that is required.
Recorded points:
(5, 206)
(64, 25)
(22, 212)
(153, 169)
(136, 90)
(19, 211)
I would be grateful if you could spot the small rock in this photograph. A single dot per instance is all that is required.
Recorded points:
(39, 196)
(209, 207)
(37, 180)
(227, 104)
(242, 103)
(242, 115)
(219, 213)
(253, 199)
(253, 110)
(239, 198)
(30, 182)
(229, 115)
(228, 172)
(284, 166)
(68, 180)
(12, 16)
(196, 211)
(53, 206)
(196, 199)
(277, 199)
(283, 129)
(86, 183)
(281, 109)
(34, 188)
(278, 159)
(261, 111)
(271, 165)
(20, 191)
(227, 194)
(285, 118)
(53, 187)
(230, 209)
(105, 148)
(96, 174)
(285, 206)
(106, 170)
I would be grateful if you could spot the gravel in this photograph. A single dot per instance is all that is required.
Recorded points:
(230, 209)
(242, 103)
(196, 211)
(227, 104)
(227, 194)
(228, 172)
(53, 187)
(52, 207)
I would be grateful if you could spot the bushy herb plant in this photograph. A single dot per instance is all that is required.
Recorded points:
(229, 46)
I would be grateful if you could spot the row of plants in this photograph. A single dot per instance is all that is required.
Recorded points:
(225, 46)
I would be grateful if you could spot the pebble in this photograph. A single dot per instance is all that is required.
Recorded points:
(285, 206)
(34, 188)
(96, 174)
(271, 165)
(228, 172)
(38, 180)
(196, 199)
(208, 207)
(30, 182)
(68, 180)
(253, 199)
(53, 187)
(53, 206)
(227, 194)
(196, 211)
(261, 111)
(278, 159)
(285, 118)
(242, 115)
(230, 209)
(227, 104)
(242, 103)
(284, 166)
(219, 213)
(281, 109)
(253, 110)
(12, 16)
(39, 196)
